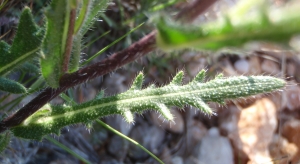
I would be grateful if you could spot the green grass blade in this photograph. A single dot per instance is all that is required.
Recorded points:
(67, 150)
(94, 40)
(67, 99)
(128, 139)
(113, 43)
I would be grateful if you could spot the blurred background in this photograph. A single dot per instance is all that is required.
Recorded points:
(259, 129)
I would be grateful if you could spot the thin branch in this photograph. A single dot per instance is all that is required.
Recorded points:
(117, 60)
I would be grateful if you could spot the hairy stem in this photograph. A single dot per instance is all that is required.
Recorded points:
(117, 60)
(135, 51)
(50, 119)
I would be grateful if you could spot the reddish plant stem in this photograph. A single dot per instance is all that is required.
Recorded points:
(69, 41)
(117, 60)
(133, 52)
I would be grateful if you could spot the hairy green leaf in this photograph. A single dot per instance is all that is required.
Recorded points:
(76, 53)
(58, 17)
(11, 86)
(84, 9)
(25, 44)
(89, 12)
(137, 100)
(31, 68)
(95, 8)
(276, 25)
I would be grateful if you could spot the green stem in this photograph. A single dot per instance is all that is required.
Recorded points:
(94, 40)
(129, 139)
(67, 98)
(69, 41)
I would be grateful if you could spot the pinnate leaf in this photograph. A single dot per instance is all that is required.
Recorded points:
(136, 100)
(25, 45)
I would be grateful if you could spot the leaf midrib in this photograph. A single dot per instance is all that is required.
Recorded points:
(135, 99)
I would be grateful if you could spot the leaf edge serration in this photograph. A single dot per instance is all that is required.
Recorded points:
(137, 100)
(25, 45)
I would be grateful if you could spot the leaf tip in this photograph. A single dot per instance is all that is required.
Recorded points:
(163, 110)
(177, 79)
(199, 78)
(219, 76)
(11, 86)
(129, 117)
(138, 82)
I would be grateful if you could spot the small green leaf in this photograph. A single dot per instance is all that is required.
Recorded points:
(11, 86)
(58, 17)
(25, 44)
